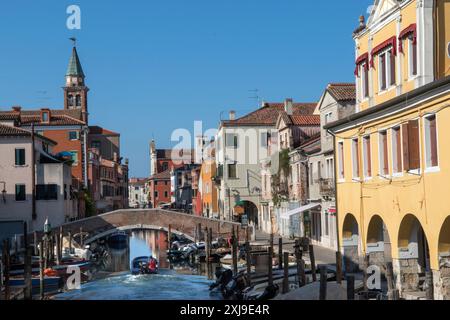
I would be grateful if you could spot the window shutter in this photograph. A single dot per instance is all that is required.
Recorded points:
(405, 147)
(433, 141)
(392, 57)
(414, 57)
(413, 144)
(383, 71)
(385, 154)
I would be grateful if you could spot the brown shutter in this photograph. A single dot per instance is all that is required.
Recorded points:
(385, 153)
(369, 159)
(433, 141)
(392, 56)
(414, 57)
(383, 71)
(366, 81)
(399, 150)
(405, 146)
(413, 144)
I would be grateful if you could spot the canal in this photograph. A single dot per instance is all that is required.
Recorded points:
(173, 282)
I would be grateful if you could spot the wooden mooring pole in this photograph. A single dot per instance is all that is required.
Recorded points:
(286, 273)
(81, 238)
(35, 243)
(6, 261)
(280, 253)
(300, 264)
(169, 236)
(350, 287)
(28, 294)
(392, 292)
(269, 266)
(313, 262)
(248, 258)
(234, 251)
(58, 248)
(338, 267)
(70, 242)
(323, 282)
(41, 271)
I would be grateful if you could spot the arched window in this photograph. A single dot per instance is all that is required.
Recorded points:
(70, 100)
(78, 100)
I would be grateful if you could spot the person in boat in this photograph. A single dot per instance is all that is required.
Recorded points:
(152, 265)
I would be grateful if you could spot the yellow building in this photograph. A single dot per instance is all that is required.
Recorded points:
(209, 188)
(393, 155)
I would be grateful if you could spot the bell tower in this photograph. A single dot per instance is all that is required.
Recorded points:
(75, 90)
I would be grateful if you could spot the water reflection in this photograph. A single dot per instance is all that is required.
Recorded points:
(174, 281)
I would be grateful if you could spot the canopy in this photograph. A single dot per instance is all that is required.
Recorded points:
(288, 214)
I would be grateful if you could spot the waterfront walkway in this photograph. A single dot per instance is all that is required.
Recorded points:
(322, 255)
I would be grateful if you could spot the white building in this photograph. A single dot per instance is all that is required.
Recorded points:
(53, 183)
(138, 193)
(241, 144)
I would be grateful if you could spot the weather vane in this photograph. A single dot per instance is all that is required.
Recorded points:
(74, 40)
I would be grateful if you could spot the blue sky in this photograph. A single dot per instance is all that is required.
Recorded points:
(154, 66)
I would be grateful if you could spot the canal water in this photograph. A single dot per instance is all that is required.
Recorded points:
(173, 282)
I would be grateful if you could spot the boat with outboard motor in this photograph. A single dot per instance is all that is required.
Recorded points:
(144, 265)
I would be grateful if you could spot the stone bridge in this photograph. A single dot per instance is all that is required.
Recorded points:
(100, 226)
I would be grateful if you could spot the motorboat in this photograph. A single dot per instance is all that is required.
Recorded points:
(144, 265)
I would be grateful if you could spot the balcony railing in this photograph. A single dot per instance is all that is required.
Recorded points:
(327, 187)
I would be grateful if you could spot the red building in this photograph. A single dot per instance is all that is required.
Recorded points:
(159, 189)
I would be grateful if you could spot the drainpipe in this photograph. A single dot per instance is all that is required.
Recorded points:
(86, 131)
(33, 175)
(336, 173)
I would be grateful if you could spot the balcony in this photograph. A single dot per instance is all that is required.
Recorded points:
(327, 187)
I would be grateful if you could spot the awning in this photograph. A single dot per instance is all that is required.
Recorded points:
(288, 214)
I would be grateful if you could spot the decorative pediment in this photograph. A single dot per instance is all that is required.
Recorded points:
(381, 9)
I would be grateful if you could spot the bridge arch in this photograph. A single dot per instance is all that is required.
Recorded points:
(133, 228)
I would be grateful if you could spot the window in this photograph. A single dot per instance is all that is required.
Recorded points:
(74, 157)
(311, 173)
(73, 135)
(328, 117)
(78, 100)
(65, 191)
(411, 151)
(386, 70)
(341, 160)
(396, 151)
(298, 172)
(330, 167)
(20, 192)
(165, 166)
(96, 144)
(431, 152)
(232, 140)
(412, 57)
(232, 174)
(156, 194)
(46, 192)
(319, 170)
(364, 80)
(20, 157)
(70, 100)
(367, 157)
(45, 117)
(264, 139)
(383, 152)
(355, 158)
(327, 229)
(166, 194)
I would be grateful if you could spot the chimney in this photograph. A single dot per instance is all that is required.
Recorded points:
(362, 21)
(232, 115)
(288, 107)
(17, 109)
